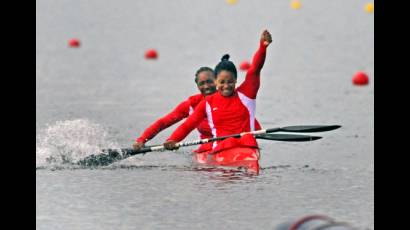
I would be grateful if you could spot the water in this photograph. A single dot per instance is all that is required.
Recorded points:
(105, 93)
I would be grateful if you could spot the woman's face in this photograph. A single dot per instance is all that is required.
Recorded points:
(225, 83)
(206, 83)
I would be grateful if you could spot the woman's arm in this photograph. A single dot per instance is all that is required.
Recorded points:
(185, 128)
(180, 112)
(251, 84)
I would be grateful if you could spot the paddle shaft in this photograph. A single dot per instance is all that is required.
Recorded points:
(304, 128)
(131, 152)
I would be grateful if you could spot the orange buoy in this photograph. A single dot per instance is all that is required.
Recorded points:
(369, 7)
(295, 4)
(74, 43)
(151, 54)
(244, 65)
(231, 2)
(360, 78)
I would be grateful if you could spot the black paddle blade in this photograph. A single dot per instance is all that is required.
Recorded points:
(109, 156)
(286, 137)
(305, 128)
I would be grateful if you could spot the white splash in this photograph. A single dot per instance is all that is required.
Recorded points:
(69, 141)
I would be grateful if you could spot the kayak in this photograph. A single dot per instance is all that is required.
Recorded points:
(237, 157)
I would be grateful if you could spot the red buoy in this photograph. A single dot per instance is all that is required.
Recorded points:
(74, 43)
(244, 65)
(151, 54)
(360, 78)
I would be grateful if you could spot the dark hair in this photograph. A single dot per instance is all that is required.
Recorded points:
(202, 69)
(225, 64)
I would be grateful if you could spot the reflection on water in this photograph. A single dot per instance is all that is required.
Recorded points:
(212, 191)
(229, 175)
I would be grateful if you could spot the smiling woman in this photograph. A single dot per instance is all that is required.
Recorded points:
(204, 79)
(227, 74)
(229, 111)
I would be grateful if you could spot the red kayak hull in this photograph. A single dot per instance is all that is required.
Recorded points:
(237, 157)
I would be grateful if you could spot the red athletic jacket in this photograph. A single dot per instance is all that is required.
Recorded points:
(229, 115)
(183, 110)
(180, 112)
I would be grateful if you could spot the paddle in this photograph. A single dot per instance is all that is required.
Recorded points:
(304, 128)
(286, 137)
(109, 156)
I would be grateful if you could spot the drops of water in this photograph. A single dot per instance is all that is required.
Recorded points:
(66, 142)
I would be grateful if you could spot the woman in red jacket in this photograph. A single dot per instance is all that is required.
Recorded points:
(230, 110)
(204, 79)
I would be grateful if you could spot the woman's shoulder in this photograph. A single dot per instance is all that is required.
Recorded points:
(213, 97)
(195, 99)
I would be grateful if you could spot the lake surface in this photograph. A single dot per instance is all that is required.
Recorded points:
(104, 94)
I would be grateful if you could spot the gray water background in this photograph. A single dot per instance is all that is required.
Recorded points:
(306, 79)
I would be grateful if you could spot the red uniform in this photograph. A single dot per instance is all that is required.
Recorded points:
(229, 115)
(183, 110)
